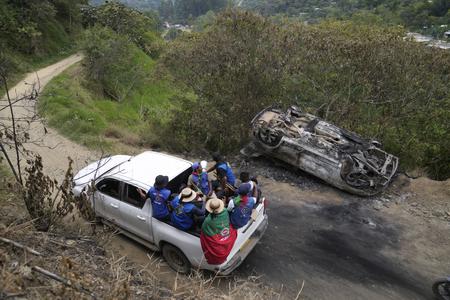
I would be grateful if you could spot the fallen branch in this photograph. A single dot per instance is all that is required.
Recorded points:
(63, 280)
(19, 245)
(12, 295)
(301, 289)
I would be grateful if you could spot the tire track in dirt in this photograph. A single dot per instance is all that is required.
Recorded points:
(51, 146)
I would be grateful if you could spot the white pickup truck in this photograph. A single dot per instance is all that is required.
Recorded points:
(116, 201)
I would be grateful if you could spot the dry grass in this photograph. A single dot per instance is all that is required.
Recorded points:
(93, 270)
(84, 258)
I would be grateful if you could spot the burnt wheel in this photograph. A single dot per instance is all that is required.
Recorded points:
(269, 137)
(441, 289)
(176, 259)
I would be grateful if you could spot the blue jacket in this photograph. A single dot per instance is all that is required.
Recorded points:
(182, 215)
(231, 179)
(203, 184)
(159, 202)
(241, 213)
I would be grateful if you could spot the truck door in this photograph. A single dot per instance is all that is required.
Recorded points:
(107, 200)
(136, 213)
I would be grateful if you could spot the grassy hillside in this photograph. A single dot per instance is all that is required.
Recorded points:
(71, 106)
(36, 33)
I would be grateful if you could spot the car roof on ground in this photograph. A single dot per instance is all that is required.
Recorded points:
(144, 168)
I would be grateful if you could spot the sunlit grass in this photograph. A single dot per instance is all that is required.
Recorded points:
(97, 122)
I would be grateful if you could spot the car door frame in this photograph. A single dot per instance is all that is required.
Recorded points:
(136, 220)
(110, 206)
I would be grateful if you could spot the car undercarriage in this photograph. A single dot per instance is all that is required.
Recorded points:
(339, 157)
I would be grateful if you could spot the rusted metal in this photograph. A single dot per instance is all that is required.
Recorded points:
(339, 157)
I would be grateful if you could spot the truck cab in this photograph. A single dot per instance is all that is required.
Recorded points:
(111, 185)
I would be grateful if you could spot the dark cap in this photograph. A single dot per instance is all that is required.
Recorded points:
(161, 181)
(244, 189)
(217, 156)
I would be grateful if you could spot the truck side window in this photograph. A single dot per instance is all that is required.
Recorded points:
(132, 196)
(110, 187)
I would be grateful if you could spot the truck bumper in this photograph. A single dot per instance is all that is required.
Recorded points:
(245, 249)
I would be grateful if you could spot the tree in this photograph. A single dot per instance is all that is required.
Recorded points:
(113, 62)
(362, 77)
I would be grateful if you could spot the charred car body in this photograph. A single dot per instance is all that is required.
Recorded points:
(337, 156)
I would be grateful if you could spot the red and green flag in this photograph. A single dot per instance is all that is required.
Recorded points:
(217, 237)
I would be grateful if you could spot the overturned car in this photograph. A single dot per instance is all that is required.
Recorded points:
(337, 156)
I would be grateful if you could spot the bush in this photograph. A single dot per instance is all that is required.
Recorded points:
(47, 201)
(114, 63)
(139, 28)
(235, 68)
(364, 78)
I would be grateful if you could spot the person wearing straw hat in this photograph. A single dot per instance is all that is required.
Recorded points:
(185, 212)
(241, 207)
(218, 235)
(159, 196)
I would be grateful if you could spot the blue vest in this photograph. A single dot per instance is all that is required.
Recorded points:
(230, 176)
(159, 202)
(204, 184)
(181, 215)
(240, 215)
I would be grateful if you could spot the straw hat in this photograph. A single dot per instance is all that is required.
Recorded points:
(188, 195)
(215, 206)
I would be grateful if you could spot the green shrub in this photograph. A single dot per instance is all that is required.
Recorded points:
(113, 62)
(141, 29)
(364, 78)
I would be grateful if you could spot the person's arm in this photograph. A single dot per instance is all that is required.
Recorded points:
(212, 168)
(141, 193)
(190, 182)
(255, 190)
(210, 188)
(230, 205)
(199, 211)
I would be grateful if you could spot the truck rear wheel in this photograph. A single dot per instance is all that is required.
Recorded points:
(176, 259)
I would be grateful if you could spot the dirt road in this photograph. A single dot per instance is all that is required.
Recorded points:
(340, 246)
(53, 147)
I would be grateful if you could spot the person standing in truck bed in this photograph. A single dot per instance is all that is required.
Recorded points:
(221, 164)
(159, 195)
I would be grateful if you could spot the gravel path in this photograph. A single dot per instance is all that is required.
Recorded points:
(45, 141)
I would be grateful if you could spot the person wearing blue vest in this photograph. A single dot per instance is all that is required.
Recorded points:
(223, 165)
(185, 212)
(199, 180)
(245, 178)
(159, 196)
(241, 207)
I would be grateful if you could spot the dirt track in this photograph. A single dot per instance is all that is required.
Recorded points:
(339, 245)
(53, 147)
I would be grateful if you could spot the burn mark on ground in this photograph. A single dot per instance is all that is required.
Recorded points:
(344, 242)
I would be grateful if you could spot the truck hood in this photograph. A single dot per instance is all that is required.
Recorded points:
(95, 170)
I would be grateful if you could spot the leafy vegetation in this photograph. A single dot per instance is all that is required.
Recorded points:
(187, 10)
(424, 15)
(70, 105)
(32, 32)
(208, 85)
(364, 78)
(140, 29)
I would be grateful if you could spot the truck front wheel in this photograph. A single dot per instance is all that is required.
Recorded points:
(176, 259)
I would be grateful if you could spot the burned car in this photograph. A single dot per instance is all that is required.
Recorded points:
(337, 156)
